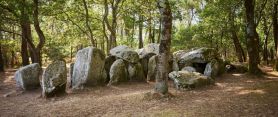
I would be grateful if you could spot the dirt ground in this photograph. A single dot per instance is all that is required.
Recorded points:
(232, 95)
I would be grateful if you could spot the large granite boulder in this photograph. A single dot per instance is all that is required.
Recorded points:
(116, 51)
(70, 75)
(202, 55)
(118, 72)
(27, 77)
(129, 56)
(188, 80)
(214, 68)
(150, 48)
(54, 79)
(108, 63)
(152, 68)
(189, 69)
(178, 54)
(89, 68)
(144, 62)
(125, 53)
(135, 72)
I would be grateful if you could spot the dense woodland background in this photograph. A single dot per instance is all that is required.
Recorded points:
(45, 30)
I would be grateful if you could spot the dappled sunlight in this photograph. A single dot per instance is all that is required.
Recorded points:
(249, 81)
(258, 91)
(236, 88)
(238, 75)
(9, 79)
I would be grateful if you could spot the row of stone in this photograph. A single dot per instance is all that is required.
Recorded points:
(123, 64)
(53, 81)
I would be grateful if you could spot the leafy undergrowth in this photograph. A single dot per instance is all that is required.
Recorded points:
(232, 95)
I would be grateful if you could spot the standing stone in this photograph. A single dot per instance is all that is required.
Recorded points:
(144, 62)
(175, 66)
(212, 69)
(70, 75)
(54, 79)
(108, 63)
(202, 55)
(88, 68)
(135, 72)
(185, 79)
(27, 77)
(152, 68)
(118, 72)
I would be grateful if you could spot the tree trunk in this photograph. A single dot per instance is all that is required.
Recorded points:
(24, 23)
(159, 30)
(1, 56)
(266, 35)
(140, 36)
(275, 31)
(104, 21)
(252, 45)
(164, 48)
(93, 41)
(238, 47)
(39, 32)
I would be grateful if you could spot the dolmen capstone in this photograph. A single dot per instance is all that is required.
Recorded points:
(88, 68)
(197, 68)
(124, 65)
(27, 77)
(54, 79)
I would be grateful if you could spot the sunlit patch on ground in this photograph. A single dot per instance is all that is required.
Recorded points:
(258, 91)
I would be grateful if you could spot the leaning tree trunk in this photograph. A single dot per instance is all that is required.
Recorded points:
(164, 48)
(238, 47)
(252, 45)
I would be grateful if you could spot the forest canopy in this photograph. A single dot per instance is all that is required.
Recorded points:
(44, 30)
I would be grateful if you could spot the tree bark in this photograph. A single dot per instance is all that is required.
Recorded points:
(238, 47)
(275, 31)
(1, 56)
(159, 30)
(140, 36)
(40, 34)
(24, 23)
(252, 41)
(164, 47)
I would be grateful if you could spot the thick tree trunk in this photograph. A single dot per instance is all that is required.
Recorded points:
(252, 45)
(275, 30)
(140, 36)
(24, 23)
(164, 48)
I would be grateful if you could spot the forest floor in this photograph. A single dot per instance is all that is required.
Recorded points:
(232, 95)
